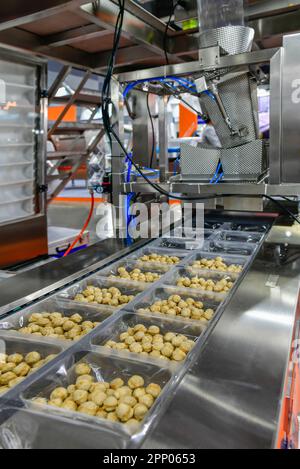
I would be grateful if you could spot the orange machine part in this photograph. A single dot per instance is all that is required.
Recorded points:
(55, 111)
(290, 408)
(188, 122)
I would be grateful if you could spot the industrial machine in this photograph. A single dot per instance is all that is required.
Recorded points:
(233, 377)
(23, 121)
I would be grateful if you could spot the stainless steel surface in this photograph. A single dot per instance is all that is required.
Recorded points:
(238, 189)
(276, 117)
(192, 68)
(233, 39)
(141, 127)
(231, 397)
(163, 138)
(44, 279)
(290, 110)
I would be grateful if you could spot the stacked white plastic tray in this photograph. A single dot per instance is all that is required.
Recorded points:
(62, 428)
(18, 121)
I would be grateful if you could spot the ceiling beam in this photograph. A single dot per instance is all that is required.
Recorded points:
(16, 13)
(134, 29)
(75, 35)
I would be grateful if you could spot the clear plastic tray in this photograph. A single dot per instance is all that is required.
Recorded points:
(245, 227)
(182, 244)
(189, 272)
(20, 319)
(221, 248)
(162, 252)
(239, 237)
(192, 330)
(192, 233)
(13, 343)
(112, 271)
(70, 292)
(210, 300)
(228, 259)
(13, 192)
(104, 368)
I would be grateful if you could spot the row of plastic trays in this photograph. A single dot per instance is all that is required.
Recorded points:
(50, 425)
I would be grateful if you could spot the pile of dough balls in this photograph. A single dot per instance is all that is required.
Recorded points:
(160, 259)
(151, 343)
(103, 296)
(15, 367)
(218, 264)
(137, 275)
(114, 401)
(221, 286)
(187, 309)
(57, 326)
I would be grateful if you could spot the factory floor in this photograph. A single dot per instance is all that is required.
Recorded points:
(71, 209)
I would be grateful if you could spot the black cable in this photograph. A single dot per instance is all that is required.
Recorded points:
(174, 6)
(153, 132)
(282, 208)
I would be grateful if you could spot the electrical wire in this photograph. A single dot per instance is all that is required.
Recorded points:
(86, 224)
(153, 132)
(173, 8)
(286, 210)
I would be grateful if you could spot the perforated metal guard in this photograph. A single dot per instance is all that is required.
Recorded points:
(246, 162)
(198, 163)
(237, 95)
(233, 39)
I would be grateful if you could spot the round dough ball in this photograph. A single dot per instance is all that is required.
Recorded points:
(124, 412)
(80, 396)
(82, 369)
(129, 400)
(59, 393)
(69, 404)
(140, 410)
(110, 404)
(112, 417)
(99, 387)
(147, 400)
(136, 348)
(177, 341)
(89, 408)
(178, 355)
(22, 369)
(137, 393)
(122, 392)
(167, 350)
(153, 389)
(7, 367)
(15, 358)
(136, 381)
(76, 318)
(116, 383)
(98, 397)
(32, 358)
(153, 330)
(15, 381)
(71, 388)
(55, 402)
(68, 325)
(84, 382)
(102, 414)
(132, 423)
